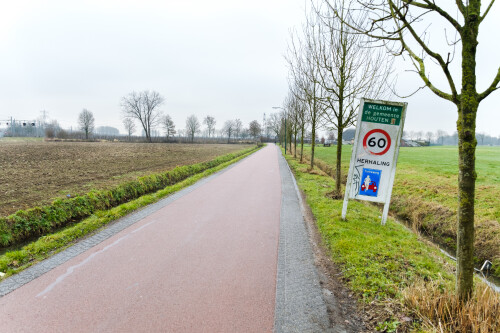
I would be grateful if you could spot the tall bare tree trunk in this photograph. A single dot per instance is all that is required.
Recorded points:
(313, 143)
(302, 144)
(466, 126)
(295, 145)
(338, 162)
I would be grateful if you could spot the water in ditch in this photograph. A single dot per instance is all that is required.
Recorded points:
(491, 281)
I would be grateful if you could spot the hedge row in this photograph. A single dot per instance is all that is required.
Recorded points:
(39, 221)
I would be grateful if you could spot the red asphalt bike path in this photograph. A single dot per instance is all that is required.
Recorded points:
(204, 263)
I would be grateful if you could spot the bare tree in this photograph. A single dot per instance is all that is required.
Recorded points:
(440, 134)
(254, 129)
(292, 128)
(144, 106)
(305, 74)
(291, 105)
(169, 126)
(86, 122)
(210, 122)
(348, 69)
(245, 133)
(129, 126)
(429, 135)
(301, 115)
(192, 126)
(238, 125)
(401, 26)
(275, 124)
(228, 129)
(480, 136)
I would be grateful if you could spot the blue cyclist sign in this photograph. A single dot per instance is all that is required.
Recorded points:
(369, 182)
(374, 155)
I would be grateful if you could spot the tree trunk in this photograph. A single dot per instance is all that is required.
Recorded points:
(338, 162)
(313, 144)
(466, 128)
(295, 145)
(301, 144)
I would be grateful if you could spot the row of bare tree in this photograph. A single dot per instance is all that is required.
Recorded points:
(441, 137)
(145, 107)
(330, 67)
(340, 55)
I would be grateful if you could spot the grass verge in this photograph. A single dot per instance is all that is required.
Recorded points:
(408, 280)
(425, 194)
(14, 261)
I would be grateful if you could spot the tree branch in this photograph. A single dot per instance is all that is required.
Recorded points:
(494, 86)
(435, 55)
(460, 6)
(421, 71)
(443, 13)
(487, 11)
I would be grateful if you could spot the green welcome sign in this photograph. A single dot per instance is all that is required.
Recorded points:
(382, 114)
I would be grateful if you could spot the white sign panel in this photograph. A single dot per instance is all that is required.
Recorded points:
(376, 145)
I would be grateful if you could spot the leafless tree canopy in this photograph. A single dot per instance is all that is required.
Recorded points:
(305, 77)
(254, 129)
(168, 126)
(86, 122)
(145, 107)
(274, 123)
(129, 126)
(229, 128)
(349, 67)
(402, 27)
(210, 122)
(331, 66)
(192, 126)
(238, 126)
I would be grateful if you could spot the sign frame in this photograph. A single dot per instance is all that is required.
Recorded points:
(361, 141)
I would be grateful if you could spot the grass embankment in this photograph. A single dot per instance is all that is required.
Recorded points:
(13, 261)
(410, 282)
(425, 194)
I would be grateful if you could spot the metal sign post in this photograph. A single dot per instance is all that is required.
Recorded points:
(375, 153)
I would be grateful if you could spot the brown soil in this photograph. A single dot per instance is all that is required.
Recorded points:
(37, 172)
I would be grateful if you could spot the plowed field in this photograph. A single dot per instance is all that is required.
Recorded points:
(34, 172)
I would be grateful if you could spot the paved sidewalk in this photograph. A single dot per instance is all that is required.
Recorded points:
(300, 306)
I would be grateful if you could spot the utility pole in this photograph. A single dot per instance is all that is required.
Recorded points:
(44, 115)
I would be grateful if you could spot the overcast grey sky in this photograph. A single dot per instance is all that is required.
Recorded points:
(220, 58)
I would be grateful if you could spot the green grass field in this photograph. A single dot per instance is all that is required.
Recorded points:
(425, 193)
(406, 283)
